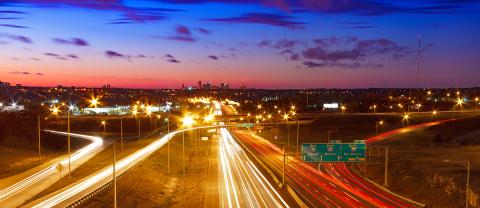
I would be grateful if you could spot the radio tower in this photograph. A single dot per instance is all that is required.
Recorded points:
(418, 60)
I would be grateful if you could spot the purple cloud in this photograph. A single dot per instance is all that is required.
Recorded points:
(25, 73)
(171, 59)
(130, 14)
(72, 56)
(60, 57)
(72, 41)
(11, 12)
(19, 38)
(284, 43)
(174, 61)
(311, 64)
(264, 43)
(13, 26)
(213, 57)
(51, 54)
(203, 30)
(345, 52)
(262, 18)
(114, 54)
(182, 33)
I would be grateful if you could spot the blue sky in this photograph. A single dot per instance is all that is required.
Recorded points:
(267, 43)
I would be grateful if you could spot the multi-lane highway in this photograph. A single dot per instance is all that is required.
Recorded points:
(330, 184)
(15, 190)
(242, 184)
(80, 189)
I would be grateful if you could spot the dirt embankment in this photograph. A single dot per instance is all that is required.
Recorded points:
(432, 170)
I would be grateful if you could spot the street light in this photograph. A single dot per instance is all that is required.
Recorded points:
(94, 101)
(468, 176)
(286, 117)
(405, 118)
(343, 108)
(476, 103)
(434, 114)
(379, 123)
(55, 110)
(104, 124)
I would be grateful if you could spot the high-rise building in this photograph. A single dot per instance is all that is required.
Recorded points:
(200, 84)
(207, 86)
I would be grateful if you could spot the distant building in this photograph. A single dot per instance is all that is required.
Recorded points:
(224, 86)
(199, 84)
(243, 85)
(4, 84)
(207, 86)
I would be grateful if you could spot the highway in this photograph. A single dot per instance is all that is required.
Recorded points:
(242, 184)
(330, 184)
(82, 188)
(15, 190)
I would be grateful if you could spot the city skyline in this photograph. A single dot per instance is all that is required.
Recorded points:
(268, 44)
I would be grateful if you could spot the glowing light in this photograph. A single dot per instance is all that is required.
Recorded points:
(55, 110)
(285, 116)
(134, 112)
(208, 118)
(188, 120)
(459, 101)
(94, 102)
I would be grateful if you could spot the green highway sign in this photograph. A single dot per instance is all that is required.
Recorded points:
(245, 125)
(333, 152)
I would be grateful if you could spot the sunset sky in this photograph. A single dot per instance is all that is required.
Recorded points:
(266, 43)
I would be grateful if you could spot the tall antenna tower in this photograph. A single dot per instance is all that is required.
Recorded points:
(419, 38)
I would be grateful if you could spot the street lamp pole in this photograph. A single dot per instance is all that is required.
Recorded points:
(121, 132)
(283, 172)
(386, 167)
(168, 147)
(468, 183)
(68, 138)
(183, 153)
(114, 179)
(39, 136)
(288, 134)
(139, 121)
(298, 132)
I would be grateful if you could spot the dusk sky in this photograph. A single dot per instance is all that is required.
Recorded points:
(266, 43)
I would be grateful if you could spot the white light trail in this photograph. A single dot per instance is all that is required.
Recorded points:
(239, 172)
(46, 172)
